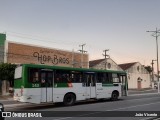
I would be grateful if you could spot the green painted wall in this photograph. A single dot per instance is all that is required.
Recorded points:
(2, 44)
(2, 39)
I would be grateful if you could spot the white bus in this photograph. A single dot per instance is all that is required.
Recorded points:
(42, 84)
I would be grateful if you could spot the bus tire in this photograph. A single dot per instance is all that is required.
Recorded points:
(69, 99)
(114, 96)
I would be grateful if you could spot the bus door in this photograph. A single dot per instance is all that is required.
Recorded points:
(47, 77)
(90, 85)
(124, 86)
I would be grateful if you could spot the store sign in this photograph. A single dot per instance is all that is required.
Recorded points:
(54, 59)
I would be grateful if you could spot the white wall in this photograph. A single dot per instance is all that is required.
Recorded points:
(135, 72)
(133, 84)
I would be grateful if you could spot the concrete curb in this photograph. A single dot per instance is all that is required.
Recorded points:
(143, 94)
(26, 105)
(14, 105)
(10, 99)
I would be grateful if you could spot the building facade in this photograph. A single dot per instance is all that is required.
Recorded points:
(20, 53)
(107, 64)
(23, 53)
(138, 76)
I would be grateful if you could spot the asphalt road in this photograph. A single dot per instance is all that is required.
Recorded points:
(128, 107)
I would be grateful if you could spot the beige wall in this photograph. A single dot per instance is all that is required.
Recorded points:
(20, 53)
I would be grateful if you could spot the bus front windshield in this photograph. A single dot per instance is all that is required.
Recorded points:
(18, 73)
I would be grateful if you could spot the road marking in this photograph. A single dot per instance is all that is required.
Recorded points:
(63, 118)
(150, 118)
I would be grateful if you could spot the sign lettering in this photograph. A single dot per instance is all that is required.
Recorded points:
(48, 59)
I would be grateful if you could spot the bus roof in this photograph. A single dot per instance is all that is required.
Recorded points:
(70, 68)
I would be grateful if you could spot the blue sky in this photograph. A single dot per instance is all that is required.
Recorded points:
(117, 25)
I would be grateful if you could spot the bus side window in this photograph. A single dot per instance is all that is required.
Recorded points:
(43, 77)
(76, 77)
(65, 77)
(81, 78)
(115, 78)
(57, 78)
(62, 76)
(33, 75)
(109, 78)
(87, 80)
(69, 79)
(92, 80)
(50, 79)
(101, 77)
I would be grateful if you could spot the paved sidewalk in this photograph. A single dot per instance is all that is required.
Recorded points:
(6, 97)
(142, 91)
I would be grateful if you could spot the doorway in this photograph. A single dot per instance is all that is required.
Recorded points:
(47, 77)
(139, 84)
(90, 82)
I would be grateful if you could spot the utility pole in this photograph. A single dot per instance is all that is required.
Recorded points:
(73, 61)
(152, 70)
(105, 56)
(82, 51)
(156, 34)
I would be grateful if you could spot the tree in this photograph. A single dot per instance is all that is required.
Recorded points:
(7, 72)
(149, 69)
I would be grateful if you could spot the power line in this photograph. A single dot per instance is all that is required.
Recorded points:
(42, 39)
(35, 37)
(28, 36)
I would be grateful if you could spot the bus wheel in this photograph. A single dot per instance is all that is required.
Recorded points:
(114, 96)
(69, 99)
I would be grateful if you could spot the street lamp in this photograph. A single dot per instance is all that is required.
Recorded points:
(156, 34)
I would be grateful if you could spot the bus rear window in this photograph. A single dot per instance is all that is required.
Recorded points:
(33, 75)
(18, 73)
